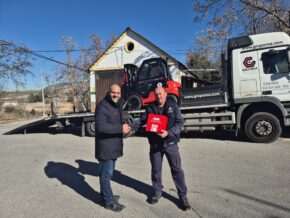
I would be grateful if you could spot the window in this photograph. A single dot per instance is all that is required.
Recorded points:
(275, 62)
(152, 69)
(156, 70)
(129, 46)
(145, 69)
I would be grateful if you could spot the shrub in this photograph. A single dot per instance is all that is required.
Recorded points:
(9, 109)
(33, 112)
(33, 98)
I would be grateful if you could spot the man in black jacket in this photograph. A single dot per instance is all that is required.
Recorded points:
(109, 142)
(165, 143)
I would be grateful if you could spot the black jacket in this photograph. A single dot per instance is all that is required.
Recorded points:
(174, 125)
(109, 134)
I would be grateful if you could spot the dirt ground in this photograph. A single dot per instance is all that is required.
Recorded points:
(19, 115)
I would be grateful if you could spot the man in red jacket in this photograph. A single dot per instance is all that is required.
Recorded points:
(109, 142)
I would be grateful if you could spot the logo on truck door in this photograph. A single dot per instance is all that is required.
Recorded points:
(248, 62)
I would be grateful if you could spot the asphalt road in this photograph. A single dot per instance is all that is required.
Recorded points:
(56, 175)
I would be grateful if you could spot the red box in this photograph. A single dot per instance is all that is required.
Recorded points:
(156, 123)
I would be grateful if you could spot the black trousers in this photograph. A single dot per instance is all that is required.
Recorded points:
(172, 154)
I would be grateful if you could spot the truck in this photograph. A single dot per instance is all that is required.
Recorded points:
(253, 97)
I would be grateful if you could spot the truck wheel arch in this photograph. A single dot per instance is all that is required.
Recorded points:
(240, 113)
(270, 104)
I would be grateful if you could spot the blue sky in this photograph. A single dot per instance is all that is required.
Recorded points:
(39, 25)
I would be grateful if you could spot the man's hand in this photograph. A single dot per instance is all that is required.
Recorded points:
(163, 134)
(126, 128)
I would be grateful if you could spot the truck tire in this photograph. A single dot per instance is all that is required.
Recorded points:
(134, 103)
(90, 128)
(263, 127)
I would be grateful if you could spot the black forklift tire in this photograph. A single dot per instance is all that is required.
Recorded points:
(134, 103)
(263, 127)
(173, 97)
(128, 119)
(90, 128)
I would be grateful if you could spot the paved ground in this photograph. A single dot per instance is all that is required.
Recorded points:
(55, 175)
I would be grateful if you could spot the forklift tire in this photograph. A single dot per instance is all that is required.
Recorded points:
(134, 103)
(128, 119)
(90, 128)
(263, 127)
(173, 97)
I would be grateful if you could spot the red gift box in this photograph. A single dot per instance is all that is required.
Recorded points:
(156, 123)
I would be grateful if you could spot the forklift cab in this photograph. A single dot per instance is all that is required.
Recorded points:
(152, 72)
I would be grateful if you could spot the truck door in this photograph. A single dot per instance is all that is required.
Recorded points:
(274, 74)
(246, 80)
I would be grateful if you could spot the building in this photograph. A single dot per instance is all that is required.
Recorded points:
(129, 48)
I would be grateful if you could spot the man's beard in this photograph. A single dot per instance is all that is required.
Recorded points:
(115, 100)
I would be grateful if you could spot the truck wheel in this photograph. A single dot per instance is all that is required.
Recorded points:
(134, 103)
(90, 128)
(263, 127)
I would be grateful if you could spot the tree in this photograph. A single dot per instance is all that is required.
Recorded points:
(34, 97)
(79, 79)
(225, 18)
(69, 73)
(88, 56)
(200, 62)
(14, 61)
(52, 94)
(195, 60)
(2, 94)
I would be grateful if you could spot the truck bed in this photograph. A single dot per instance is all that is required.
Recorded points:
(203, 97)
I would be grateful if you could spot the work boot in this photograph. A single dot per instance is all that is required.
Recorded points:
(114, 206)
(184, 204)
(155, 198)
(117, 197)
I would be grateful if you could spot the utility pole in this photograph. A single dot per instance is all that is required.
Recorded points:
(42, 93)
(42, 86)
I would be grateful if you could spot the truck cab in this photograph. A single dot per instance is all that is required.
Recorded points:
(258, 69)
(261, 69)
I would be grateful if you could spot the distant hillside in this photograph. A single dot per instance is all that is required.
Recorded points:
(62, 90)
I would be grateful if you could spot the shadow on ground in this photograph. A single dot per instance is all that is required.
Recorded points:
(44, 127)
(257, 200)
(73, 178)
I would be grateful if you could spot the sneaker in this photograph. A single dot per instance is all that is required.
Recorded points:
(155, 198)
(114, 206)
(184, 204)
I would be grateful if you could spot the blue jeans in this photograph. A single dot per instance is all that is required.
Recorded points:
(106, 173)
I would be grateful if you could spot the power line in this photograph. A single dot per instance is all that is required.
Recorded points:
(33, 53)
(175, 51)
(36, 52)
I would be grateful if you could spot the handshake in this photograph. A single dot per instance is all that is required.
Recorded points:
(126, 129)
